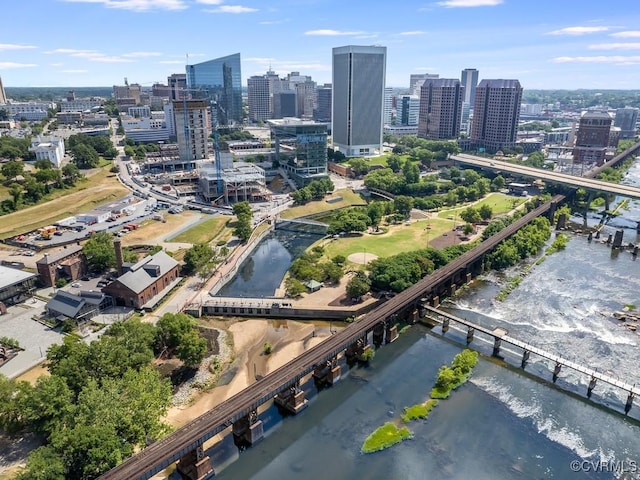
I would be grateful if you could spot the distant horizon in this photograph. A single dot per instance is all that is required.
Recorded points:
(546, 45)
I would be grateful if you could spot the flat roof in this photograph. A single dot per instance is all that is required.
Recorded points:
(11, 276)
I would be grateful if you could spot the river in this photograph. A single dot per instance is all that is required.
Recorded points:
(504, 423)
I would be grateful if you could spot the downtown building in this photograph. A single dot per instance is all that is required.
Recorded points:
(440, 109)
(358, 98)
(219, 83)
(626, 119)
(496, 111)
(593, 138)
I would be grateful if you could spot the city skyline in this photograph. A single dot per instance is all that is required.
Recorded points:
(544, 44)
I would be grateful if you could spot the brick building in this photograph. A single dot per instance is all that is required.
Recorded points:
(69, 264)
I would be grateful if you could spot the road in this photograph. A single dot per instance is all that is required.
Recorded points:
(549, 176)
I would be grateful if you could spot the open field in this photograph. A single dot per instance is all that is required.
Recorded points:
(100, 188)
(499, 202)
(155, 230)
(348, 199)
(398, 238)
(203, 232)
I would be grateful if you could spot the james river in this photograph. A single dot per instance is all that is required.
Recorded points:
(503, 423)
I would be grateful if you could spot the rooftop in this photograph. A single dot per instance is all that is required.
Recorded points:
(11, 276)
(50, 258)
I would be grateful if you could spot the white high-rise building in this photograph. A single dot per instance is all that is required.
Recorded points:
(469, 80)
(358, 99)
(388, 106)
(416, 80)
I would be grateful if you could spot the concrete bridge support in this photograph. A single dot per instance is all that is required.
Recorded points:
(195, 465)
(328, 373)
(292, 399)
(629, 403)
(378, 334)
(390, 333)
(562, 222)
(617, 239)
(357, 350)
(592, 385)
(249, 429)
(525, 358)
(435, 301)
(556, 371)
(470, 332)
(552, 211)
(445, 325)
(496, 346)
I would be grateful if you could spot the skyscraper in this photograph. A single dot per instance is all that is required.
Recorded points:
(192, 129)
(259, 98)
(407, 110)
(626, 119)
(496, 111)
(469, 79)
(387, 115)
(3, 96)
(358, 97)
(323, 111)
(440, 108)
(416, 80)
(220, 83)
(592, 138)
(177, 84)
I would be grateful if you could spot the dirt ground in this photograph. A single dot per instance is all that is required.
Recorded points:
(155, 230)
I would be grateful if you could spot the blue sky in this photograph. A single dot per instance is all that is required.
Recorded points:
(543, 43)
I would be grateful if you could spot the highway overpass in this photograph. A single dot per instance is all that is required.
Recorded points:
(548, 176)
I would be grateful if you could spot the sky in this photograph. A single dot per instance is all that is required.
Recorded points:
(546, 44)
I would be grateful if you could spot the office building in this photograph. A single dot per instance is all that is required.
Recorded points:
(192, 129)
(469, 80)
(626, 119)
(496, 110)
(592, 138)
(358, 98)
(323, 101)
(408, 107)
(387, 116)
(177, 85)
(127, 95)
(440, 108)
(259, 98)
(416, 80)
(218, 82)
(3, 95)
(301, 148)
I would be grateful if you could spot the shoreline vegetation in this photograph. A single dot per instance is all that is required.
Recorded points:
(449, 378)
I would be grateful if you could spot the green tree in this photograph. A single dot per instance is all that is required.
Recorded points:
(359, 166)
(43, 164)
(85, 156)
(485, 211)
(99, 252)
(48, 405)
(411, 172)
(198, 257)
(375, 211)
(403, 205)
(470, 215)
(71, 173)
(294, 287)
(394, 162)
(467, 229)
(192, 349)
(242, 228)
(12, 169)
(44, 463)
(16, 190)
(357, 286)
(175, 332)
(498, 183)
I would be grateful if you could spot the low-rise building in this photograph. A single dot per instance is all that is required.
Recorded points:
(15, 285)
(48, 148)
(142, 285)
(81, 308)
(68, 263)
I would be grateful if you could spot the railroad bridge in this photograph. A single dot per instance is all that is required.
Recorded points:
(239, 412)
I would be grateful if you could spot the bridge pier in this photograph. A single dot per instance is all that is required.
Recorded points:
(629, 403)
(452, 289)
(556, 371)
(357, 350)
(390, 333)
(195, 465)
(617, 239)
(445, 325)
(597, 234)
(378, 334)
(525, 358)
(414, 316)
(497, 341)
(435, 301)
(552, 210)
(590, 237)
(248, 429)
(470, 332)
(592, 385)
(469, 278)
(292, 399)
(562, 222)
(328, 373)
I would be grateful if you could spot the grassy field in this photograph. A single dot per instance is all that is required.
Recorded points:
(348, 199)
(100, 188)
(204, 232)
(499, 202)
(398, 238)
(157, 231)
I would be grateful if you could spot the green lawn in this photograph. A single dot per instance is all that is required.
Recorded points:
(384, 437)
(203, 232)
(398, 238)
(348, 199)
(499, 202)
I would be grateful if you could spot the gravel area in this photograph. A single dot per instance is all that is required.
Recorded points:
(203, 376)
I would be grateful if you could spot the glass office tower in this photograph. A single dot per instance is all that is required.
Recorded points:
(220, 82)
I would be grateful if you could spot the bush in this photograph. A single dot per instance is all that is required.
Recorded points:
(267, 348)
(421, 410)
(61, 282)
(384, 437)
(9, 342)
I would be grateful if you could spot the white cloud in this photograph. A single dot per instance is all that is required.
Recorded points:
(141, 54)
(231, 9)
(620, 59)
(627, 34)
(171, 62)
(332, 33)
(74, 71)
(283, 67)
(138, 5)
(13, 46)
(11, 65)
(578, 30)
(70, 51)
(93, 56)
(273, 22)
(210, 2)
(469, 3)
(413, 32)
(615, 46)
